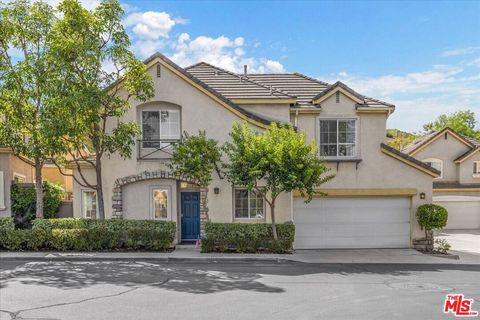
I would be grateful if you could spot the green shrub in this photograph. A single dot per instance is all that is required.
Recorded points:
(247, 237)
(431, 217)
(24, 202)
(442, 245)
(87, 235)
(7, 224)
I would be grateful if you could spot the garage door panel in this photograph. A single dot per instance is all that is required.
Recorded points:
(352, 223)
(462, 214)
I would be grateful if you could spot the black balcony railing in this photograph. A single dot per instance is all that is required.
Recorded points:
(155, 149)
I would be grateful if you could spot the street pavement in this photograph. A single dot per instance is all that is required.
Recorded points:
(230, 289)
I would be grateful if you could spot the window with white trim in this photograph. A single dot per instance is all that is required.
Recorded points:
(160, 203)
(19, 178)
(248, 204)
(160, 125)
(338, 138)
(89, 204)
(435, 164)
(2, 191)
(476, 167)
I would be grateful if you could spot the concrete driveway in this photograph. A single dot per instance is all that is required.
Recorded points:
(462, 240)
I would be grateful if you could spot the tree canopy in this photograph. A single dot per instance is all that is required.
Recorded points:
(462, 122)
(272, 162)
(29, 85)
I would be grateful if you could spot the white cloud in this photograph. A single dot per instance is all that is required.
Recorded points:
(460, 51)
(223, 52)
(425, 94)
(150, 24)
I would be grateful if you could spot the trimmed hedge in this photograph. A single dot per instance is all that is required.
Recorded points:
(87, 235)
(247, 237)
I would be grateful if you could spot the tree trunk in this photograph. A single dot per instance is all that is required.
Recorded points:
(39, 188)
(274, 227)
(100, 203)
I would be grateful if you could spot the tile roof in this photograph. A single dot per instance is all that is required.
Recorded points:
(248, 114)
(428, 137)
(234, 86)
(296, 84)
(410, 159)
(268, 86)
(467, 154)
(456, 185)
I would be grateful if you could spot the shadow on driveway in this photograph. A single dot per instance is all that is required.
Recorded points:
(194, 277)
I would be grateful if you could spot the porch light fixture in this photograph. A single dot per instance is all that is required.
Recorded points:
(422, 195)
(216, 190)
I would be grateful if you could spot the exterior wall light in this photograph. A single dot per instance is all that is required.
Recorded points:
(216, 190)
(422, 195)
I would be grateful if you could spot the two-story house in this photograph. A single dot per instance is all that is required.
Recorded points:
(458, 186)
(370, 203)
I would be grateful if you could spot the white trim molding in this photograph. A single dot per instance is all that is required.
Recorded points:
(435, 160)
(2, 192)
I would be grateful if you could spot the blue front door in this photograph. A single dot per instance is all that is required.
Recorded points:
(190, 211)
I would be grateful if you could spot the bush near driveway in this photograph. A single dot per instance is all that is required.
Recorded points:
(87, 235)
(247, 237)
(431, 217)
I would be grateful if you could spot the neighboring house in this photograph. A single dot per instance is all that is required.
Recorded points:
(458, 187)
(22, 170)
(370, 204)
(12, 168)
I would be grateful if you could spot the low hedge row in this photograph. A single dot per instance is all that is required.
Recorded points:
(87, 235)
(247, 237)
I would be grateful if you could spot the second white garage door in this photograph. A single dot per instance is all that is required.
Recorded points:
(329, 223)
(463, 211)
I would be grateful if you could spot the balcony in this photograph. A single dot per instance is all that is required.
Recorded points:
(155, 149)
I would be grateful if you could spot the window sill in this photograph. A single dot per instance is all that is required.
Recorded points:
(3, 208)
(247, 220)
(476, 176)
(357, 160)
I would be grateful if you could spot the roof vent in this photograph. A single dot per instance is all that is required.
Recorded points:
(337, 97)
(159, 71)
(245, 68)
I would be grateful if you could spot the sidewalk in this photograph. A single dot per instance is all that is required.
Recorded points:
(186, 253)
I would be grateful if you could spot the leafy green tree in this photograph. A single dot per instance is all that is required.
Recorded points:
(28, 84)
(400, 139)
(100, 78)
(275, 161)
(462, 122)
(196, 157)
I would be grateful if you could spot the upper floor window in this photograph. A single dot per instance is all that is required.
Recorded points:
(435, 164)
(338, 137)
(160, 125)
(476, 167)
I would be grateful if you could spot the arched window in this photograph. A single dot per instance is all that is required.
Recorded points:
(436, 164)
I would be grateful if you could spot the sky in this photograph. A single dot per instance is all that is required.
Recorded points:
(422, 56)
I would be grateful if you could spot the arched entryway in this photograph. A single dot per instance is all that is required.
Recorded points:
(120, 183)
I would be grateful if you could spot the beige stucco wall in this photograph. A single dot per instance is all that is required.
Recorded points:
(10, 165)
(465, 170)
(52, 174)
(446, 150)
(270, 111)
(376, 169)
(198, 112)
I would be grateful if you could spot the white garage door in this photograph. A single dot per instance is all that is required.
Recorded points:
(352, 223)
(463, 211)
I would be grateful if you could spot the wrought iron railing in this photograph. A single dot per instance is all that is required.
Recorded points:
(155, 149)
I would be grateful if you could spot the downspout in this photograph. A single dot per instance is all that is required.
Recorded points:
(295, 121)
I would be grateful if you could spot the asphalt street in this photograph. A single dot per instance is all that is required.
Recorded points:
(230, 290)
